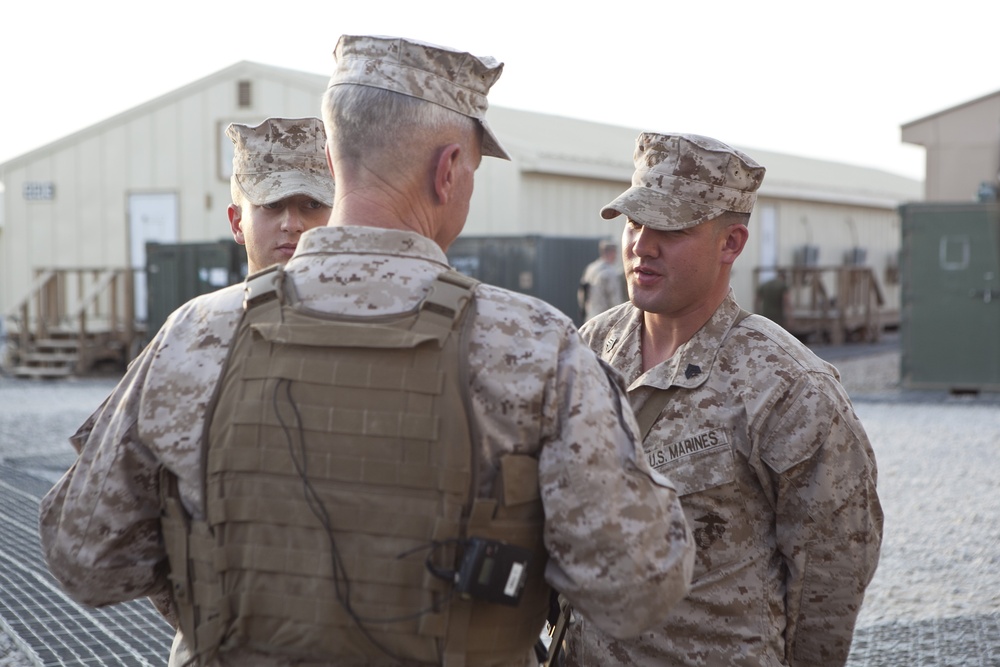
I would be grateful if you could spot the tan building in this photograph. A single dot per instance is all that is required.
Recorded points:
(951, 262)
(962, 150)
(78, 212)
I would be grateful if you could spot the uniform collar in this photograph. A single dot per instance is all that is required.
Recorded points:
(356, 239)
(693, 361)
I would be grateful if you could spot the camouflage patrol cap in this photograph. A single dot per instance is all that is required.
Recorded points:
(279, 158)
(682, 180)
(453, 79)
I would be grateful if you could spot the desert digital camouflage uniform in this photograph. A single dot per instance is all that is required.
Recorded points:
(280, 157)
(776, 474)
(777, 479)
(606, 287)
(619, 544)
(452, 79)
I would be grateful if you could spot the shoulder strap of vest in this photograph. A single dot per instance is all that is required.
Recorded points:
(651, 409)
(444, 306)
(263, 286)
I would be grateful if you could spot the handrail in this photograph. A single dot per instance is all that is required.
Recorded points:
(67, 301)
(43, 277)
(90, 297)
(854, 304)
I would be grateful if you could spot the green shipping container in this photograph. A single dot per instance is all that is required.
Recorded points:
(950, 320)
(178, 272)
(547, 267)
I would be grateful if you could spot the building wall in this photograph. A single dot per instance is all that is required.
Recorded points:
(174, 144)
(494, 209)
(962, 149)
(834, 230)
(560, 206)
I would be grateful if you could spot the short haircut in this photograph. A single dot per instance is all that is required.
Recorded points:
(732, 218)
(363, 120)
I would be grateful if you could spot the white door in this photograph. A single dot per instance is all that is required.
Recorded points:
(768, 242)
(151, 217)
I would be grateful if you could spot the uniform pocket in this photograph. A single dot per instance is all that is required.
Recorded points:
(695, 463)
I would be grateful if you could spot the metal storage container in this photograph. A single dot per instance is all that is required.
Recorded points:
(177, 272)
(547, 267)
(950, 272)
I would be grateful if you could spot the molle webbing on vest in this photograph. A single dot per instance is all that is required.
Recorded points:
(351, 432)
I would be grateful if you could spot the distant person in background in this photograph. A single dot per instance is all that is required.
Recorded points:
(774, 300)
(281, 187)
(602, 285)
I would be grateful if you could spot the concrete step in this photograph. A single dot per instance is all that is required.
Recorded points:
(43, 371)
(56, 344)
(31, 358)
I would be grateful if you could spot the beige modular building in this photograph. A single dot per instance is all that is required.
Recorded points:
(962, 145)
(78, 212)
(951, 253)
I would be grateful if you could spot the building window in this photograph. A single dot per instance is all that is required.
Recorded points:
(243, 94)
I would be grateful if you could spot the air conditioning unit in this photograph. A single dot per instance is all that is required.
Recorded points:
(806, 255)
(987, 192)
(855, 257)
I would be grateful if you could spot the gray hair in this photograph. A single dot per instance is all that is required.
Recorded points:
(363, 120)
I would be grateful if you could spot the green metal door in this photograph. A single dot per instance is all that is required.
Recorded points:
(951, 296)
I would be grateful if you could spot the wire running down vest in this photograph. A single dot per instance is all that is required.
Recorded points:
(340, 493)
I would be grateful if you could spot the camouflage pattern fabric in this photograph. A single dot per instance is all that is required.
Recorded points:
(455, 80)
(606, 284)
(279, 158)
(682, 180)
(619, 545)
(777, 478)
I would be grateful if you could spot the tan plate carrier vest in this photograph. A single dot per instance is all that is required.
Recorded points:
(338, 460)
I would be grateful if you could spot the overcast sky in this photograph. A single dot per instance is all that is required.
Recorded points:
(826, 80)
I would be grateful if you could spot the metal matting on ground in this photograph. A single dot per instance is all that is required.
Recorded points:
(45, 623)
(52, 630)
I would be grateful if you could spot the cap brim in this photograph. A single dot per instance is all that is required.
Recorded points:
(277, 185)
(658, 210)
(491, 145)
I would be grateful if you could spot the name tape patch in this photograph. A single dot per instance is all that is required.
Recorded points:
(668, 453)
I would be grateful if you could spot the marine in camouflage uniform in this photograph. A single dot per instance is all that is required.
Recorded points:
(281, 186)
(602, 284)
(618, 542)
(776, 474)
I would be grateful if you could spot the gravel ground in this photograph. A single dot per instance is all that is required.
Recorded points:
(940, 570)
(10, 655)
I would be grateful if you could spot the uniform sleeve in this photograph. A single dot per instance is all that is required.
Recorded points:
(828, 515)
(619, 544)
(99, 525)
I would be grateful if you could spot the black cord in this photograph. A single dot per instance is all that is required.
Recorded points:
(319, 510)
